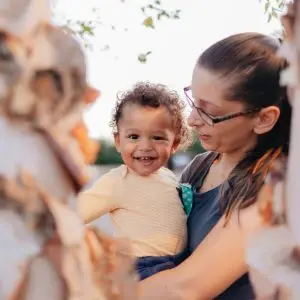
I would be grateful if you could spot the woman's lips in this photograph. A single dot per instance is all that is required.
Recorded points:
(204, 137)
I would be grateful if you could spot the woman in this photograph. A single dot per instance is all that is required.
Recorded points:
(242, 117)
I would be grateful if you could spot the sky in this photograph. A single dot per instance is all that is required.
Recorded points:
(175, 44)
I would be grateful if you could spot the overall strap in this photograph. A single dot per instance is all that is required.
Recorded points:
(198, 167)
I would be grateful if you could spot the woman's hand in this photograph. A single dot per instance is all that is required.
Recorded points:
(217, 262)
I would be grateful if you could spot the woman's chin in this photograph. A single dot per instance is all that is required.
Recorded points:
(207, 146)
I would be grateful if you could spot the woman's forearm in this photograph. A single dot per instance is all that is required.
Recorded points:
(217, 263)
(164, 285)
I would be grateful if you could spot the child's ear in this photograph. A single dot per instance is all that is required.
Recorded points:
(175, 145)
(117, 141)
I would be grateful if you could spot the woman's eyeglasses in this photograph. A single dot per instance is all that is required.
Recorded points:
(212, 120)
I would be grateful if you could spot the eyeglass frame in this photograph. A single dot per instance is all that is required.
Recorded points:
(215, 119)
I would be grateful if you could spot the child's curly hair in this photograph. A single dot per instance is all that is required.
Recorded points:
(155, 95)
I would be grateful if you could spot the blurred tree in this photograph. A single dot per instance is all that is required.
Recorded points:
(196, 147)
(108, 155)
(154, 11)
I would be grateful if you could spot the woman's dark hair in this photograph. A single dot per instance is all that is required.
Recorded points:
(250, 62)
(155, 95)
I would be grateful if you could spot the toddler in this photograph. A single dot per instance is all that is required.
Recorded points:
(142, 196)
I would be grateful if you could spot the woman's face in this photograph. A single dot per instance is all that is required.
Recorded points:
(235, 135)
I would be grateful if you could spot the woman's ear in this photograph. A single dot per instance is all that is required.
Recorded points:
(266, 119)
(117, 141)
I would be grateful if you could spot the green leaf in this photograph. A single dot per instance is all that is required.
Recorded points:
(267, 5)
(143, 57)
(269, 17)
(86, 29)
(148, 22)
(281, 4)
(162, 14)
(157, 2)
(166, 14)
(274, 14)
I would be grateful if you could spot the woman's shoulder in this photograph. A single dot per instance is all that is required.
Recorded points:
(198, 163)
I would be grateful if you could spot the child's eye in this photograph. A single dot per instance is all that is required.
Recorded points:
(133, 136)
(158, 138)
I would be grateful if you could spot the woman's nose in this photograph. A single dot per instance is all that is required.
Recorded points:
(194, 119)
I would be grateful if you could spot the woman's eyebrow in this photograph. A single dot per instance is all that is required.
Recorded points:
(201, 100)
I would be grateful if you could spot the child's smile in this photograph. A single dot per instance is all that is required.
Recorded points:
(146, 138)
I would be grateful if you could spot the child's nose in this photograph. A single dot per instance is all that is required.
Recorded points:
(145, 145)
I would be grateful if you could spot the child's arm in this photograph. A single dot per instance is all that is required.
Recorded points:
(98, 200)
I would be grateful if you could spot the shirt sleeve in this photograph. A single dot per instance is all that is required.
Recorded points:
(97, 200)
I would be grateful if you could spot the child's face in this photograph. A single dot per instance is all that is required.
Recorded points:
(145, 138)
